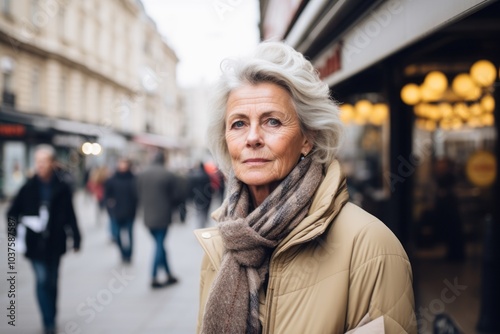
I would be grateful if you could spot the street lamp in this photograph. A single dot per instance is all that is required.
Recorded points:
(91, 148)
(87, 148)
(96, 149)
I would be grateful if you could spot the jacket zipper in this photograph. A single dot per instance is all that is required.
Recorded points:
(269, 298)
(270, 289)
(267, 319)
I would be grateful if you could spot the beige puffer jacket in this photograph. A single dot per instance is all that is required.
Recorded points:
(339, 269)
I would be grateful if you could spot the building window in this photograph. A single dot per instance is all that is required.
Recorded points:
(6, 7)
(99, 36)
(7, 70)
(62, 95)
(35, 13)
(7, 82)
(35, 88)
(85, 26)
(98, 105)
(62, 21)
(149, 121)
(83, 101)
(8, 97)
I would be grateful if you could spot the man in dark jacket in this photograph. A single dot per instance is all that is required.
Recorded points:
(157, 193)
(120, 195)
(202, 193)
(43, 209)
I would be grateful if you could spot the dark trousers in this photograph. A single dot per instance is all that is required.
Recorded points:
(122, 233)
(46, 274)
(160, 255)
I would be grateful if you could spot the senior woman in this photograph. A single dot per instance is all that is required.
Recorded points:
(289, 254)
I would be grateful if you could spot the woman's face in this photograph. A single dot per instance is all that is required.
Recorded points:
(263, 133)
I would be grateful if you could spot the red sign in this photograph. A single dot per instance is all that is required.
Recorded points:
(12, 130)
(331, 62)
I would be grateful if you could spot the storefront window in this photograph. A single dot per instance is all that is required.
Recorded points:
(14, 169)
(364, 156)
(454, 140)
(452, 193)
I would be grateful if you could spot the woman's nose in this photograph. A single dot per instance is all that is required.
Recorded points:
(254, 137)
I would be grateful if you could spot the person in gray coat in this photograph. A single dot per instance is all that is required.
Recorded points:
(156, 189)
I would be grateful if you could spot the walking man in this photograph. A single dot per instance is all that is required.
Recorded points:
(44, 210)
(156, 187)
(120, 195)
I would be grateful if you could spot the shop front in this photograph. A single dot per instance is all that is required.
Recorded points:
(20, 133)
(418, 83)
(423, 158)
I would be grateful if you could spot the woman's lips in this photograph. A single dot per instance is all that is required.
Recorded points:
(255, 161)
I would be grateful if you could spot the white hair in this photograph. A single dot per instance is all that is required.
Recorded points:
(278, 63)
(49, 149)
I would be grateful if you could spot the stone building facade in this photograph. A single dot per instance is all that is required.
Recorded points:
(84, 71)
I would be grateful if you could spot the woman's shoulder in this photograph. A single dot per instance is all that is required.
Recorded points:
(366, 234)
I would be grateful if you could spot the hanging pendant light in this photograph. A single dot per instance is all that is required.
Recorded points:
(462, 85)
(436, 81)
(410, 94)
(347, 113)
(483, 72)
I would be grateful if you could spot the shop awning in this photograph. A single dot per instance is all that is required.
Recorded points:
(378, 32)
(158, 141)
(78, 127)
(389, 29)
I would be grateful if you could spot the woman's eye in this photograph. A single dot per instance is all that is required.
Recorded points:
(237, 124)
(273, 122)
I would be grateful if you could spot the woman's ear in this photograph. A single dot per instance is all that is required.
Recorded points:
(307, 145)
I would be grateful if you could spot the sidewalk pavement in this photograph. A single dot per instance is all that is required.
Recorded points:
(97, 294)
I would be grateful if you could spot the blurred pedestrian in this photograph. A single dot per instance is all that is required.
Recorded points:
(120, 195)
(156, 189)
(182, 193)
(95, 185)
(202, 193)
(43, 211)
(216, 179)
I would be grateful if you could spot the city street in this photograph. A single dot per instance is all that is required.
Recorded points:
(97, 294)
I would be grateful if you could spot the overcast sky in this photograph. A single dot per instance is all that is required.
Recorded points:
(203, 32)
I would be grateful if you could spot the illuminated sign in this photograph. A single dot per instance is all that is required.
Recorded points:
(481, 169)
(12, 130)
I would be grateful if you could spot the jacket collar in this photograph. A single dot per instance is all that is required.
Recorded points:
(323, 210)
(211, 242)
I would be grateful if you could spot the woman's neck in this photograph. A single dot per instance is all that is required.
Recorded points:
(259, 193)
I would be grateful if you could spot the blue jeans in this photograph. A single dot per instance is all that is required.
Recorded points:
(160, 256)
(118, 226)
(46, 274)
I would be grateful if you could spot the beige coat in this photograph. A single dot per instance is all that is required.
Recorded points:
(339, 268)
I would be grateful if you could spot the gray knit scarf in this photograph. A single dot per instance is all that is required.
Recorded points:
(249, 239)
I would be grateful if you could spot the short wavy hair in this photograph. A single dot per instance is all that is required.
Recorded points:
(278, 63)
